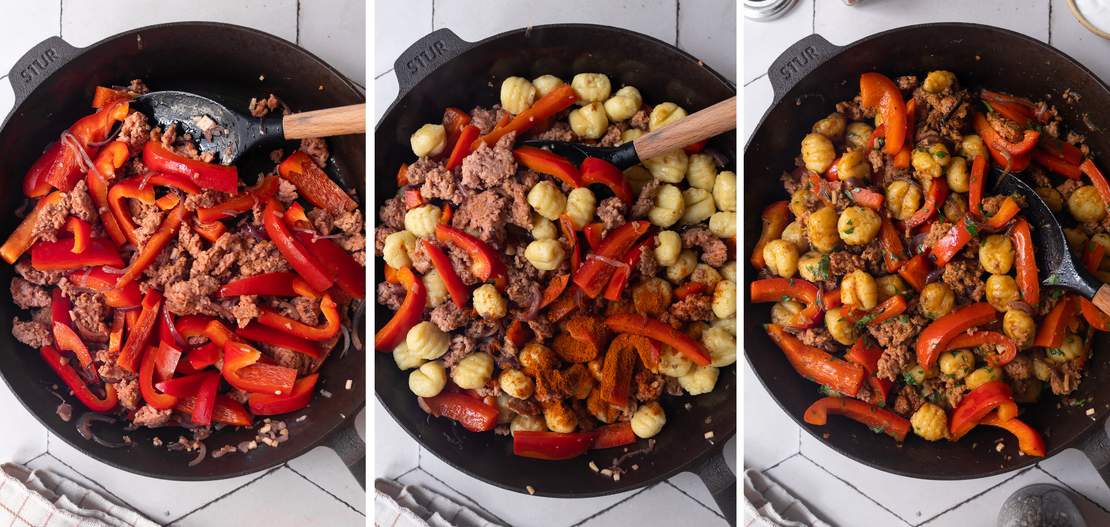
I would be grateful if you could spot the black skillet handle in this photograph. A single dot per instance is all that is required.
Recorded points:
(425, 55)
(721, 482)
(798, 61)
(351, 449)
(39, 63)
(1097, 448)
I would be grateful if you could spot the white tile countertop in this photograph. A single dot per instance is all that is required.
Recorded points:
(315, 489)
(706, 29)
(836, 488)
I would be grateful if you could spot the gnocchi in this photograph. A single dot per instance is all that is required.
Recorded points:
(473, 371)
(545, 255)
(698, 204)
(489, 303)
(669, 206)
(623, 104)
(724, 191)
(699, 380)
(591, 87)
(668, 167)
(422, 221)
(427, 341)
(589, 121)
(428, 380)
(547, 200)
(665, 113)
(701, 171)
(648, 420)
(517, 94)
(668, 245)
(428, 140)
(580, 206)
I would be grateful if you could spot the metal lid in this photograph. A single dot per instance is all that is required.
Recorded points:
(766, 10)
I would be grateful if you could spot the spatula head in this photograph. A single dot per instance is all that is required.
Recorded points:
(622, 157)
(229, 134)
(1056, 264)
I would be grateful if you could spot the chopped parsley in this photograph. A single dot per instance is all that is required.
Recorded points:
(826, 391)
(909, 379)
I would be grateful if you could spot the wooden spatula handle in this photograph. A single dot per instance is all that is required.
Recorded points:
(326, 123)
(716, 119)
(1102, 298)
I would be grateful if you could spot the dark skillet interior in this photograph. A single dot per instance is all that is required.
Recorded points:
(981, 57)
(208, 58)
(661, 73)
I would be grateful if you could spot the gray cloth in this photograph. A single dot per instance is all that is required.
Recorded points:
(42, 498)
(767, 504)
(400, 505)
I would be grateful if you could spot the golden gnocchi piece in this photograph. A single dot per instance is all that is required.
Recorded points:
(972, 146)
(591, 87)
(630, 135)
(489, 303)
(669, 167)
(405, 358)
(1020, 326)
(784, 311)
(704, 274)
(699, 206)
(669, 206)
(795, 233)
(1069, 350)
(428, 380)
(723, 225)
(814, 266)
(890, 285)
(527, 423)
(930, 422)
(858, 289)
(516, 383)
(724, 299)
(818, 153)
(589, 121)
(547, 200)
(822, 227)
(663, 114)
(623, 104)
(437, 289)
(683, 267)
(536, 358)
(427, 341)
(781, 258)
(668, 245)
(1001, 291)
(925, 165)
(1086, 205)
(727, 324)
(842, 329)
(701, 171)
(543, 228)
(700, 380)
(428, 140)
(721, 346)
(938, 81)
(422, 221)
(473, 371)
(398, 249)
(937, 300)
(853, 164)
(959, 180)
(545, 255)
(903, 198)
(672, 363)
(982, 376)
(724, 190)
(956, 364)
(648, 420)
(858, 225)
(1052, 198)
(581, 205)
(857, 134)
(546, 84)
(728, 270)
(517, 94)
(559, 417)
(637, 176)
(996, 254)
(832, 126)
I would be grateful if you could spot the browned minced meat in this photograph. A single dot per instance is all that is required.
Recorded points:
(380, 234)
(420, 170)
(108, 369)
(648, 385)
(88, 315)
(640, 119)
(51, 217)
(152, 417)
(854, 110)
(646, 200)
(944, 113)
(1009, 130)
(519, 212)
(194, 297)
(522, 290)
(27, 295)
(541, 328)
(205, 198)
(906, 83)
(484, 215)
(392, 213)
(693, 308)
(965, 279)
(128, 392)
(893, 361)
(421, 261)
(937, 230)
(446, 316)
(559, 131)
(611, 212)
(908, 401)
(262, 257)
(35, 276)
(290, 359)
(245, 310)
(460, 262)
(482, 328)
(612, 136)
(287, 192)
(135, 131)
(818, 337)
(317, 149)
(713, 250)
(148, 217)
(262, 107)
(32, 333)
(948, 390)
(896, 336)
(1065, 378)
(1020, 368)
(391, 295)
(523, 406)
(485, 118)
(648, 265)
(218, 260)
(489, 167)
(299, 308)
(460, 347)
(1068, 186)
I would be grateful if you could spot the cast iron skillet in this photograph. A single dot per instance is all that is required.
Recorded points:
(53, 84)
(808, 79)
(440, 70)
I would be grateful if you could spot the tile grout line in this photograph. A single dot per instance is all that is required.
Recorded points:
(974, 497)
(468, 498)
(677, 18)
(225, 495)
(1073, 489)
(1049, 22)
(699, 502)
(405, 473)
(611, 507)
(61, 9)
(781, 461)
(755, 79)
(433, 14)
(32, 460)
(853, 487)
(813, 23)
(95, 482)
(383, 74)
(298, 37)
(326, 491)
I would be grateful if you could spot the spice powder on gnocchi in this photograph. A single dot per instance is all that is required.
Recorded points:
(552, 302)
(902, 289)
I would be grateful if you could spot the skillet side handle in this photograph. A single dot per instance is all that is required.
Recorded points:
(721, 482)
(425, 55)
(797, 61)
(37, 64)
(351, 449)
(1096, 446)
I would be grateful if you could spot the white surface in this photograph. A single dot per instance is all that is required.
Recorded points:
(315, 489)
(706, 29)
(836, 488)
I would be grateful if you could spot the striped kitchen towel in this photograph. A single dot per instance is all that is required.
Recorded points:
(40, 498)
(397, 505)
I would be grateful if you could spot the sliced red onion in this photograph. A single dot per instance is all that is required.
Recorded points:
(305, 231)
(113, 270)
(202, 452)
(145, 180)
(608, 261)
(111, 137)
(356, 317)
(346, 340)
(917, 242)
(129, 308)
(256, 232)
(328, 237)
(83, 159)
(167, 317)
(934, 275)
(85, 421)
(533, 305)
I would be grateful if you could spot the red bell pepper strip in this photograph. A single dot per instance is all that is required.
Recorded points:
(1025, 262)
(689, 288)
(226, 411)
(461, 147)
(775, 219)
(413, 198)
(68, 340)
(210, 231)
(1007, 211)
(878, 419)
(132, 350)
(1097, 179)
(954, 241)
(266, 284)
(1092, 256)
(938, 192)
(878, 132)
(888, 309)
(614, 435)
(403, 175)
(131, 188)
(631, 260)
(149, 252)
(76, 384)
(1051, 332)
(160, 401)
(695, 148)
(59, 255)
(101, 281)
(243, 370)
(1022, 106)
(1030, 441)
(916, 271)
(169, 353)
(980, 402)
(243, 202)
(103, 96)
(81, 230)
(470, 412)
(258, 333)
(594, 273)
(460, 294)
(593, 233)
(204, 356)
(775, 289)
(304, 262)
(184, 386)
(656, 330)
(595, 170)
(1000, 150)
(865, 354)
(205, 405)
(866, 197)
(408, 315)
(554, 102)
(903, 157)
(270, 404)
(976, 183)
(1093, 315)
(878, 92)
(1057, 165)
(551, 446)
(1008, 347)
(207, 175)
(547, 162)
(567, 226)
(349, 275)
(484, 261)
(818, 365)
(87, 131)
(1065, 151)
(34, 181)
(111, 157)
(23, 237)
(269, 317)
(554, 289)
(995, 141)
(894, 253)
(935, 338)
(313, 184)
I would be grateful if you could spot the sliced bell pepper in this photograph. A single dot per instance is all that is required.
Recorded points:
(149, 252)
(894, 252)
(1092, 314)
(81, 230)
(903, 157)
(87, 131)
(77, 385)
(34, 181)
(1060, 149)
(614, 435)
(260, 333)
(916, 271)
(1005, 349)
(161, 401)
(554, 102)
(210, 231)
(403, 175)
(1025, 262)
(304, 262)
(184, 386)
(460, 294)
(695, 148)
(593, 233)
(270, 404)
(1019, 107)
(111, 157)
(485, 263)
(866, 197)
(594, 273)
(243, 202)
(878, 92)
(1097, 179)
(101, 281)
(878, 419)
(59, 256)
(314, 184)
(269, 317)
(413, 198)
(1051, 332)
(888, 309)
(207, 175)
(631, 259)
(1002, 151)
(226, 410)
(132, 350)
(775, 289)
(865, 354)
(23, 237)
(68, 340)
(349, 275)
(1092, 256)
(1057, 165)
(566, 225)
(689, 288)
(518, 333)
(408, 315)
(954, 241)
(554, 289)
(205, 405)
(775, 219)
(103, 96)
(131, 188)
(980, 402)
(470, 412)
(547, 162)
(657, 330)
(596, 170)
(243, 370)
(266, 284)
(1030, 441)
(1007, 211)
(935, 338)
(976, 182)
(551, 446)
(461, 147)
(818, 365)
(938, 192)
(204, 356)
